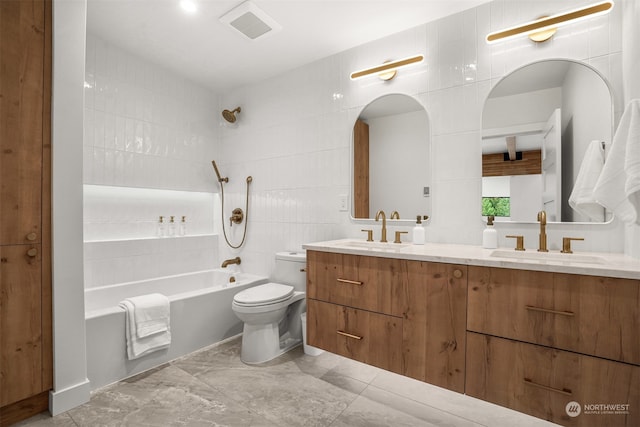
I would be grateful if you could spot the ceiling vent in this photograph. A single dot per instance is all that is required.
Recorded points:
(251, 21)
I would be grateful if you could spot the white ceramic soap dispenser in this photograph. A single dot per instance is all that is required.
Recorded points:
(490, 235)
(418, 231)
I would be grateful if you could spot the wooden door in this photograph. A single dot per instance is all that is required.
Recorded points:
(361, 169)
(21, 117)
(551, 164)
(20, 323)
(26, 365)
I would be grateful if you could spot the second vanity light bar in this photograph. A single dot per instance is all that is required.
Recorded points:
(549, 22)
(387, 67)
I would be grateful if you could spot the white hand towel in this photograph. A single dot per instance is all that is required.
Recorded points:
(581, 199)
(151, 314)
(138, 347)
(618, 187)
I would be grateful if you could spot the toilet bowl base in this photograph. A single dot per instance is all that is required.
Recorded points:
(261, 343)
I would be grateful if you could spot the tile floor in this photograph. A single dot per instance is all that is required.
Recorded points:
(213, 387)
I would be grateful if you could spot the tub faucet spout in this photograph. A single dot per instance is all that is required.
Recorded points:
(227, 262)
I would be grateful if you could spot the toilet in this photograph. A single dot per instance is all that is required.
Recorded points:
(271, 312)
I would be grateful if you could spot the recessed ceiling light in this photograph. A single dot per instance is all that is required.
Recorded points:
(189, 6)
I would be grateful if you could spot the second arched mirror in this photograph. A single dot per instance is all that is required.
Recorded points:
(391, 159)
(538, 124)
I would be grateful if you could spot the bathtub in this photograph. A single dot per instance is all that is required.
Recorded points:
(201, 315)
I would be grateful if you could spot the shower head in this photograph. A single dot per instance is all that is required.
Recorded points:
(215, 168)
(230, 116)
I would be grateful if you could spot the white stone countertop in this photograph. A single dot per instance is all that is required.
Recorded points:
(589, 263)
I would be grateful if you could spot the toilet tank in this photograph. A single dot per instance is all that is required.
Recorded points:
(291, 269)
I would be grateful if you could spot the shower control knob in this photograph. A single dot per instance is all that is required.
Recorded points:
(32, 252)
(31, 236)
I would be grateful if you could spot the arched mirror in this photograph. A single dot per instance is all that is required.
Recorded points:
(540, 125)
(391, 159)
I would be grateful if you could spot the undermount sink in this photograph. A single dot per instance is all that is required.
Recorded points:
(548, 256)
(373, 246)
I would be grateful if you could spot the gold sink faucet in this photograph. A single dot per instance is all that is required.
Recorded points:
(379, 214)
(542, 218)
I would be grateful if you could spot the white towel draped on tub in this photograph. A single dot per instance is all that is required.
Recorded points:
(581, 199)
(147, 326)
(618, 187)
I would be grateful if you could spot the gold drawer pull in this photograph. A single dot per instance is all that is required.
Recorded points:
(457, 273)
(350, 282)
(32, 252)
(546, 310)
(565, 391)
(31, 236)
(349, 335)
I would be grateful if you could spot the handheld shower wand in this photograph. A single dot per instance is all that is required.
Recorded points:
(215, 168)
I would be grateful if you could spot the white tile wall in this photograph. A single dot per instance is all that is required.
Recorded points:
(144, 125)
(149, 138)
(294, 133)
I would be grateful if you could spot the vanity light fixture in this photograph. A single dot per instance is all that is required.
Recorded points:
(388, 70)
(543, 28)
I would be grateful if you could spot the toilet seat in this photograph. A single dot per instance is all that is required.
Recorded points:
(267, 294)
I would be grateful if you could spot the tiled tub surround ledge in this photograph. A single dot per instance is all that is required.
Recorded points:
(585, 263)
(543, 336)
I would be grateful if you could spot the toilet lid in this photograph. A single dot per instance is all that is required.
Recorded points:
(269, 293)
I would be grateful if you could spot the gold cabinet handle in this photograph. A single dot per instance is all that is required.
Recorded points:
(31, 236)
(355, 337)
(547, 310)
(457, 273)
(32, 252)
(350, 282)
(565, 391)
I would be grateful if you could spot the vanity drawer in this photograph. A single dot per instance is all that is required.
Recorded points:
(371, 338)
(369, 283)
(599, 316)
(541, 381)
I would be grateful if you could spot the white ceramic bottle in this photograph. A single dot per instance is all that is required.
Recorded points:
(490, 235)
(418, 232)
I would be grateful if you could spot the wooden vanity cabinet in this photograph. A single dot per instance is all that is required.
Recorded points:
(434, 325)
(543, 382)
(537, 341)
(599, 316)
(371, 338)
(405, 316)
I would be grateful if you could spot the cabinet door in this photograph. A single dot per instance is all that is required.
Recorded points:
(21, 373)
(544, 382)
(599, 316)
(371, 338)
(21, 114)
(434, 325)
(369, 283)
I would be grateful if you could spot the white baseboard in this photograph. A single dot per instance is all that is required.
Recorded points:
(62, 400)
